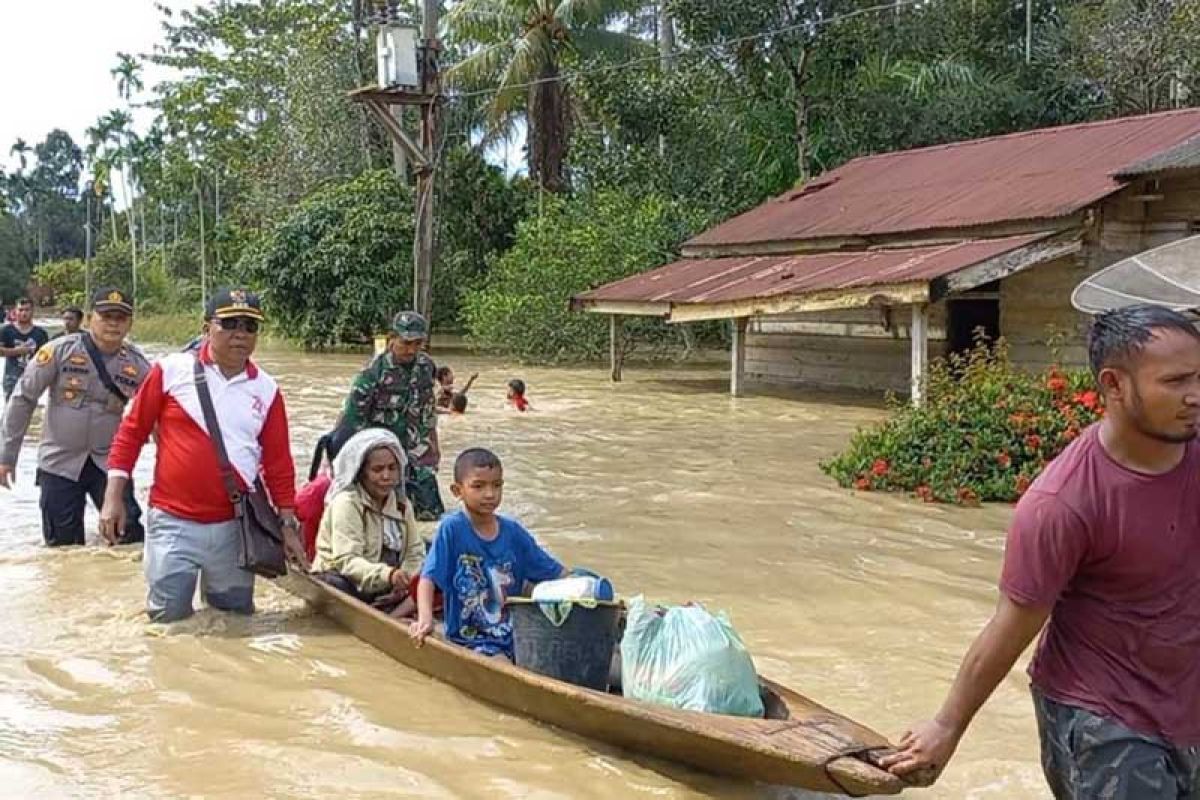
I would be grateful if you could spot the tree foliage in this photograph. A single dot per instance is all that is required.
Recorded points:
(566, 247)
(339, 266)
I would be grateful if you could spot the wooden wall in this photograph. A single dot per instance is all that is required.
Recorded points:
(838, 349)
(1035, 306)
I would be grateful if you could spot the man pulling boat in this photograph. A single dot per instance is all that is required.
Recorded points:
(1104, 553)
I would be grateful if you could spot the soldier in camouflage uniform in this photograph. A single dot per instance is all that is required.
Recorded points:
(82, 414)
(396, 391)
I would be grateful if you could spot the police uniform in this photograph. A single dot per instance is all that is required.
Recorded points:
(81, 417)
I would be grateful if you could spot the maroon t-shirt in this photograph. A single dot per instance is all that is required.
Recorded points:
(1117, 555)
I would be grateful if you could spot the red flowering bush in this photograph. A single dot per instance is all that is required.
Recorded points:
(984, 433)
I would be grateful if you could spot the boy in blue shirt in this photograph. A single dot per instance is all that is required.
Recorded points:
(478, 559)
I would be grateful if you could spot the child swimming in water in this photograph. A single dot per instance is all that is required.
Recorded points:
(516, 395)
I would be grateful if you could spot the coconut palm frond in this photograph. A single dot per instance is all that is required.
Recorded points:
(530, 57)
(481, 68)
(485, 21)
(614, 44)
(575, 13)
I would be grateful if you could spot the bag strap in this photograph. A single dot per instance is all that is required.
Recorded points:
(214, 433)
(93, 352)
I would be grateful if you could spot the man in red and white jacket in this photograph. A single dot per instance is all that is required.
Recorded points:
(192, 532)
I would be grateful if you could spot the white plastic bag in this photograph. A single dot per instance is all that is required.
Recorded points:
(687, 658)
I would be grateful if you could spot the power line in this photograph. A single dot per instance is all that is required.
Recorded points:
(716, 46)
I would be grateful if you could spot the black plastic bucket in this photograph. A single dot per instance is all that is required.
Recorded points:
(579, 651)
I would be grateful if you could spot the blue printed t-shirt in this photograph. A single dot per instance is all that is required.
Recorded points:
(476, 576)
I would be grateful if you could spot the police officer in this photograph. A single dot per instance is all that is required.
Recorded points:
(90, 375)
(396, 391)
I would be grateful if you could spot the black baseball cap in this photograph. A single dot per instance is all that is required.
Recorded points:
(110, 298)
(226, 303)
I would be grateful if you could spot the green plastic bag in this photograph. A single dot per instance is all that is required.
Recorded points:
(687, 658)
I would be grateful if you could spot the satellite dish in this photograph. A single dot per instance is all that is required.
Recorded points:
(1165, 276)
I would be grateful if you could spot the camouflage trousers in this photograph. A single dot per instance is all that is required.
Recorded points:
(422, 490)
(1089, 757)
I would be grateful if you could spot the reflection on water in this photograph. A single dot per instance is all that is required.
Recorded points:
(664, 483)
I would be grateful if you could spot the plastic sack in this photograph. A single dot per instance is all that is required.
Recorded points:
(687, 658)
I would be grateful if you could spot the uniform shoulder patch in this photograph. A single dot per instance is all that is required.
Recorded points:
(44, 354)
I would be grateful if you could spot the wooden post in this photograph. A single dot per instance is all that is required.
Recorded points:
(430, 85)
(616, 353)
(737, 366)
(918, 333)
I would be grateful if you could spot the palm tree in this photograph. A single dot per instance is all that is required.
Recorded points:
(519, 49)
(128, 73)
(21, 150)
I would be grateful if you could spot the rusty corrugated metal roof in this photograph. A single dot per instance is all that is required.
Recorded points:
(1041, 174)
(729, 279)
(1182, 156)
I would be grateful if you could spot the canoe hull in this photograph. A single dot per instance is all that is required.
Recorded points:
(811, 748)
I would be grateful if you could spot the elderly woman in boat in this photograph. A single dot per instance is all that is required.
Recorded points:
(368, 545)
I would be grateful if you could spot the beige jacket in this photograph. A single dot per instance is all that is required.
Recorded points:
(350, 540)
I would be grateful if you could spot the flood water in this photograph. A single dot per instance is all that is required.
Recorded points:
(664, 483)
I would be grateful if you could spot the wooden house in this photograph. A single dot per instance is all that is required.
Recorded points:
(857, 278)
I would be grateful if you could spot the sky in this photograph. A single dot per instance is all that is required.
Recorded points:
(57, 72)
(55, 64)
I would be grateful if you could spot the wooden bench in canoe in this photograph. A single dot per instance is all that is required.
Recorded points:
(800, 743)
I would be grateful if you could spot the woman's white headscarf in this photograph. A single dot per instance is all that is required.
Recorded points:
(350, 458)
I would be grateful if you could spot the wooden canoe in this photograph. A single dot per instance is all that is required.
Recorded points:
(800, 743)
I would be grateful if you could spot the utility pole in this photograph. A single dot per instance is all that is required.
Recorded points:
(666, 48)
(430, 56)
(87, 246)
(203, 259)
(1028, 31)
(410, 75)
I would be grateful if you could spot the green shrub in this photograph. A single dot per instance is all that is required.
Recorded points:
(62, 280)
(568, 246)
(341, 264)
(984, 433)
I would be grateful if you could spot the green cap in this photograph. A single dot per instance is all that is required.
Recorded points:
(410, 325)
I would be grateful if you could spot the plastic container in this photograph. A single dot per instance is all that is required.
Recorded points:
(579, 651)
(576, 587)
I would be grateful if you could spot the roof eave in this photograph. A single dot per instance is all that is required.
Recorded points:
(631, 308)
(878, 295)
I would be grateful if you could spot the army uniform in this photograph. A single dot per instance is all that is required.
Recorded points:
(81, 418)
(402, 399)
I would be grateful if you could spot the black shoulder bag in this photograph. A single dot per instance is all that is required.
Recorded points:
(102, 371)
(258, 525)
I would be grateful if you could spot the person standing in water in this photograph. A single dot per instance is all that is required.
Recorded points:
(19, 340)
(396, 392)
(1103, 558)
(193, 530)
(89, 376)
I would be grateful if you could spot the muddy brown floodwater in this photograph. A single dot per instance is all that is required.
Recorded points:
(664, 483)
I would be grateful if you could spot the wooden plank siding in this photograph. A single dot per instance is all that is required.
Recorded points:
(838, 349)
